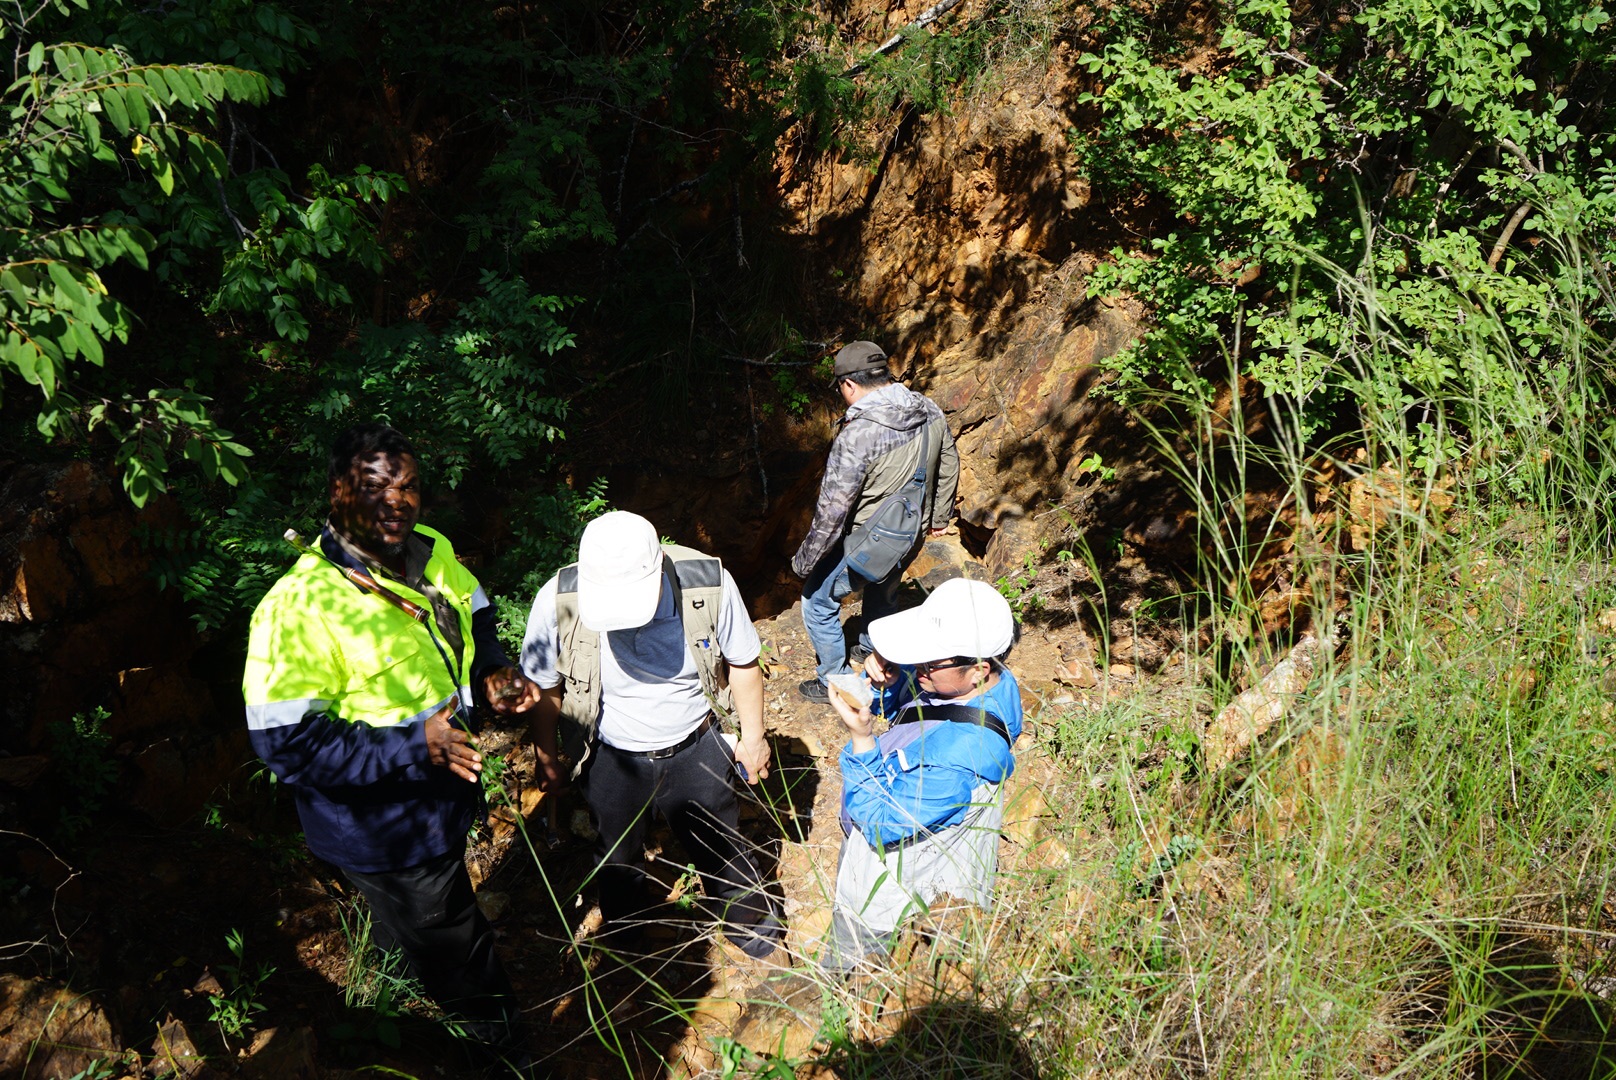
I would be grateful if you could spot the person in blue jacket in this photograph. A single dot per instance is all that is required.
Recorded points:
(921, 802)
(363, 664)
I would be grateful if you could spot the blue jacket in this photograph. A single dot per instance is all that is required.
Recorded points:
(338, 686)
(914, 782)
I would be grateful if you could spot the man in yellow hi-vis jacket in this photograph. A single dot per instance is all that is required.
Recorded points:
(364, 663)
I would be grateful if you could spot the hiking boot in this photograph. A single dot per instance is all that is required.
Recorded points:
(815, 691)
(758, 941)
(856, 658)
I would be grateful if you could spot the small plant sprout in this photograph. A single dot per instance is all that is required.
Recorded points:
(234, 1008)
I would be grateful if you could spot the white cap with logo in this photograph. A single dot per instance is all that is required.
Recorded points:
(619, 572)
(961, 617)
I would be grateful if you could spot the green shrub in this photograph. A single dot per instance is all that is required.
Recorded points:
(1436, 153)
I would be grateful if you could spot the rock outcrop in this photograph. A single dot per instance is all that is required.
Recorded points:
(84, 626)
(973, 242)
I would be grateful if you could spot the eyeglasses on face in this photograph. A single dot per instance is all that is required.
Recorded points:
(940, 665)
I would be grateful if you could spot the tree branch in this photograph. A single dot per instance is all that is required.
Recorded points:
(1509, 230)
(1447, 185)
(1525, 161)
(72, 873)
(1288, 54)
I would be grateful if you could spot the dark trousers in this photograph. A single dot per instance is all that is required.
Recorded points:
(429, 914)
(693, 791)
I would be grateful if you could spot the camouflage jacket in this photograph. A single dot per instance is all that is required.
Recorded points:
(874, 455)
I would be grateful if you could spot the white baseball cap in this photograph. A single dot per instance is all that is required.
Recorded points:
(619, 572)
(961, 617)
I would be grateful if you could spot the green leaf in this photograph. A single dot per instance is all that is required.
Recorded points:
(135, 98)
(112, 104)
(183, 86)
(163, 173)
(205, 455)
(13, 287)
(69, 62)
(21, 356)
(90, 345)
(72, 290)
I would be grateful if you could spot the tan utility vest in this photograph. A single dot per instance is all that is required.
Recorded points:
(698, 592)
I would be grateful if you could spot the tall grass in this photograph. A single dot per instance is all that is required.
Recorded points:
(1408, 877)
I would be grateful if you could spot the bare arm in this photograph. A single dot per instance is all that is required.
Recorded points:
(543, 730)
(746, 686)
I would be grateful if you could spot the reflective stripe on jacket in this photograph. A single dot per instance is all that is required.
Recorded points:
(338, 686)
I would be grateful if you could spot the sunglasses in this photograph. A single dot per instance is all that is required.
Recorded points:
(941, 665)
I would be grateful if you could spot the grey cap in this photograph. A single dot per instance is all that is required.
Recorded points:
(858, 356)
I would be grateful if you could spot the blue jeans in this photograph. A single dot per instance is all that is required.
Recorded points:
(822, 593)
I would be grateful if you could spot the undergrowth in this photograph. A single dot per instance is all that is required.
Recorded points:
(1408, 874)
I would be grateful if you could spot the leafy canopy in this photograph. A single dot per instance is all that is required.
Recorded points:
(124, 151)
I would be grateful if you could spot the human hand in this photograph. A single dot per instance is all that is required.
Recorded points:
(934, 533)
(450, 746)
(858, 722)
(878, 671)
(754, 754)
(509, 691)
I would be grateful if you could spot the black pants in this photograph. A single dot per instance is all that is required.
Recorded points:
(429, 914)
(693, 791)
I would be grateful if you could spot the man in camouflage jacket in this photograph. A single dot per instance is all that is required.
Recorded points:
(873, 456)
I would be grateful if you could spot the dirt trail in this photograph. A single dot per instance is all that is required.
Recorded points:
(671, 1002)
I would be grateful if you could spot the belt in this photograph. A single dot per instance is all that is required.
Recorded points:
(683, 744)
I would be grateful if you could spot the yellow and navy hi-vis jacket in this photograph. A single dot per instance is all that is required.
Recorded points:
(338, 686)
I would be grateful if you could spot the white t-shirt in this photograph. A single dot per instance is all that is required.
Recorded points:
(650, 693)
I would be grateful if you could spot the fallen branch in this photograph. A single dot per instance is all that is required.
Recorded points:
(927, 17)
(29, 946)
(1248, 717)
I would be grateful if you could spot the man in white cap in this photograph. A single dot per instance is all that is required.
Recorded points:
(644, 649)
(893, 442)
(921, 803)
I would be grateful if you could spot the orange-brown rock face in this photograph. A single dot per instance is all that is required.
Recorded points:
(968, 246)
(83, 625)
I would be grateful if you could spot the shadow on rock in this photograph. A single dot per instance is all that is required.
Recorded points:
(945, 1040)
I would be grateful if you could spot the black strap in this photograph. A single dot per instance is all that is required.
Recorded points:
(959, 714)
(919, 477)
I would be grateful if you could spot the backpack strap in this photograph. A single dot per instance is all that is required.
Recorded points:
(959, 714)
(927, 491)
(578, 664)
